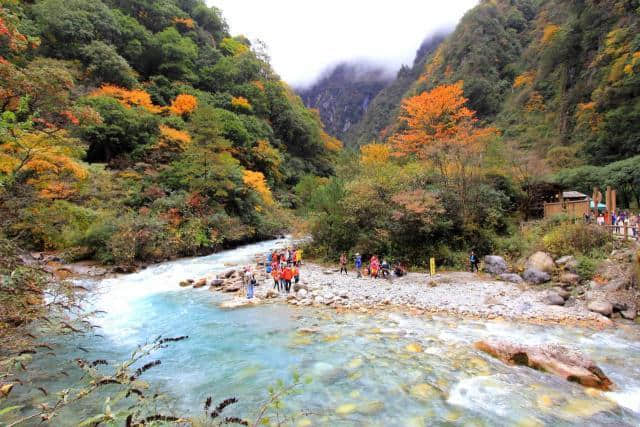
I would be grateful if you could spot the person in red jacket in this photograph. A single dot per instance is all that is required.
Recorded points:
(287, 275)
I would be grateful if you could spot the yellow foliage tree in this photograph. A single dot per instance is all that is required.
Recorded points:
(183, 104)
(331, 143)
(268, 158)
(257, 182)
(46, 159)
(524, 79)
(186, 23)
(549, 33)
(129, 98)
(374, 154)
(173, 139)
(241, 103)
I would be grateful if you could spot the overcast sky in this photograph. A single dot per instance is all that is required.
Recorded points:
(306, 36)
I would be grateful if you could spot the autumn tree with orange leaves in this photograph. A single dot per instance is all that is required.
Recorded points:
(443, 132)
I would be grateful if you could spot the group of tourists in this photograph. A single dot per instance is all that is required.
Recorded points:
(284, 268)
(375, 269)
(619, 220)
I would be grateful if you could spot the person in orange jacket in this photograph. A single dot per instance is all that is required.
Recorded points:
(275, 273)
(287, 275)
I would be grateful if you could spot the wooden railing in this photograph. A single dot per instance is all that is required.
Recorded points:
(623, 231)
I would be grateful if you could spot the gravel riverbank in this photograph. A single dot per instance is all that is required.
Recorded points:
(455, 293)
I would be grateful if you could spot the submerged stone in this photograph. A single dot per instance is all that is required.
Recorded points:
(584, 408)
(414, 348)
(345, 409)
(424, 391)
(371, 408)
(355, 363)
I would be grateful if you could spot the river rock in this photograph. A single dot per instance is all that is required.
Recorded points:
(511, 278)
(603, 307)
(227, 274)
(617, 284)
(540, 261)
(553, 358)
(298, 286)
(239, 302)
(200, 283)
(217, 282)
(302, 293)
(535, 276)
(630, 314)
(568, 262)
(185, 283)
(563, 293)
(569, 278)
(619, 307)
(494, 264)
(553, 298)
(231, 288)
(271, 293)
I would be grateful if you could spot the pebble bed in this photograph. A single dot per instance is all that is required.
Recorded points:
(456, 293)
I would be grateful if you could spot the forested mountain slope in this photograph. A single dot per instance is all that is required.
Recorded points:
(560, 78)
(523, 99)
(142, 130)
(343, 95)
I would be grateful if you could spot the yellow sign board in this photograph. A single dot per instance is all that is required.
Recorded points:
(432, 266)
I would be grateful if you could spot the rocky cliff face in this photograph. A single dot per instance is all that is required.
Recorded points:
(384, 107)
(357, 101)
(344, 93)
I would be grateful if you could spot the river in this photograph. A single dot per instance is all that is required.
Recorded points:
(362, 367)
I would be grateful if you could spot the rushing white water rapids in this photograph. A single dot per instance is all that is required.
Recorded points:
(362, 372)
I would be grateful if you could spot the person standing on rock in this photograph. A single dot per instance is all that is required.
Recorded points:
(359, 265)
(473, 261)
(343, 263)
(251, 284)
(374, 267)
(298, 257)
(287, 275)
(275, 273)
(246, 279)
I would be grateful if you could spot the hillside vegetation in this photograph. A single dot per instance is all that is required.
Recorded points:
(559, 78)
(523, 99)
(142, 130)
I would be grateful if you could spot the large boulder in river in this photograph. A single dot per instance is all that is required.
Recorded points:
(511, 278)
(200, 283)
(553, 358)
(602, 307)
(540, 261)
(494, 264)
(217, 282)
(239, 302)
(536, 277)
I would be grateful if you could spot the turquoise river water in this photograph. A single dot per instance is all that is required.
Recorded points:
(362, 367)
